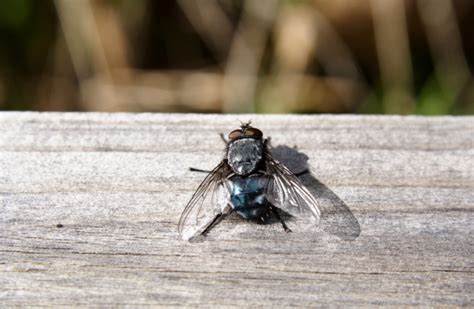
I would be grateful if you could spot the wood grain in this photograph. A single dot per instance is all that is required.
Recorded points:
(90, 204)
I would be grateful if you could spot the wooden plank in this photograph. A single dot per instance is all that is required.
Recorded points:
(90, 204)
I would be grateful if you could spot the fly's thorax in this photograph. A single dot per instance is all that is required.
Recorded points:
(244, 155)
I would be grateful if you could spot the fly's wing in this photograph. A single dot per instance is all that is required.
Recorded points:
(209, 200)
(286, 191)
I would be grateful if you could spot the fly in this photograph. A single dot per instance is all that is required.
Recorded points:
(248, 181)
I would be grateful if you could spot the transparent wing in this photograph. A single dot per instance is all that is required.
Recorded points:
(286, 191)
(210, 199)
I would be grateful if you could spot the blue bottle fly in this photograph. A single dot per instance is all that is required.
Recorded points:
(248, 181)
(248, 184)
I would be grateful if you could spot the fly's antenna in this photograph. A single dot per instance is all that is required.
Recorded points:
(245, 125)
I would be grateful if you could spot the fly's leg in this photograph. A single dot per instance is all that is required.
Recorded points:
(277, 215)
(214, 221)
(223, 138)
(218, 218)
(192, 169)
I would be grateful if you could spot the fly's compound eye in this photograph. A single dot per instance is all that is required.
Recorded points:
(245, 132)
(253, 132)
(235, 134)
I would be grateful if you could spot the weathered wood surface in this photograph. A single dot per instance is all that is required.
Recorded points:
(396, 192)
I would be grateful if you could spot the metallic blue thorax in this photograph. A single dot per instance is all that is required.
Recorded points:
(248, 195)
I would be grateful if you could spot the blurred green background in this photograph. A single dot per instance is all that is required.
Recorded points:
(289, 56)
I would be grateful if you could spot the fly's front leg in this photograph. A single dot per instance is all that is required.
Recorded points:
(223, 138)
(192, 169)
(277, 215)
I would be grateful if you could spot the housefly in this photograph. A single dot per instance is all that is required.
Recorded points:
(250, 182)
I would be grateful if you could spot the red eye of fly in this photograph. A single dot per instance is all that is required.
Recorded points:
(235, 134)
(253, 132)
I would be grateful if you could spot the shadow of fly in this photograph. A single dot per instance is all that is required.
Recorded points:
(250, 182)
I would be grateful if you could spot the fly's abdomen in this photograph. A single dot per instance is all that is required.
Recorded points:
(248, 195)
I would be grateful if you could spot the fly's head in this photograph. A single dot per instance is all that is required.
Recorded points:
(245, 149)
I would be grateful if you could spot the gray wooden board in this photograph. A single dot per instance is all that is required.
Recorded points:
(396, 195)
